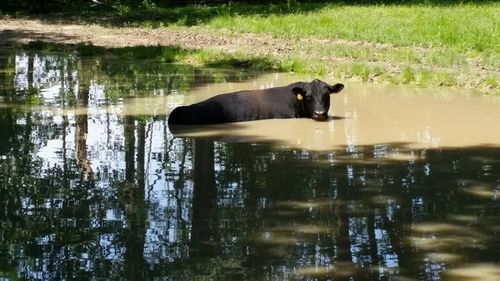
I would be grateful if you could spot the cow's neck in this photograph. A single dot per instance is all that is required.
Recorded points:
(301, 109)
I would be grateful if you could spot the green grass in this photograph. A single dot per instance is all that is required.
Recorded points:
(214, 58)
(463, 26)
(408, 75)
(447, 44)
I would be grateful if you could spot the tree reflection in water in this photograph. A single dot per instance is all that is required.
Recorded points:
(97, 193)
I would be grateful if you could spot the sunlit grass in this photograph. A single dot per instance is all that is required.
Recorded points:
(463, 26)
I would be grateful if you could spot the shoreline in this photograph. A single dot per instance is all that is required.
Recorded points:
(222, 48)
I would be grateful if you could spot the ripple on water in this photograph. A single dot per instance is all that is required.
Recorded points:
(476, 272)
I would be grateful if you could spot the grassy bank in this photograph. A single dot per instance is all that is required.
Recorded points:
(446, 44)
(463, 27)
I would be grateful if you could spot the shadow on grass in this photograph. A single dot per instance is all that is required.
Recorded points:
(10, 36)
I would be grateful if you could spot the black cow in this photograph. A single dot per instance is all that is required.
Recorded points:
(297, 100)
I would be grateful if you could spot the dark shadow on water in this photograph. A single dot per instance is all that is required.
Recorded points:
(116, 69)
(336, 117)
(133, 202)
(196, 208)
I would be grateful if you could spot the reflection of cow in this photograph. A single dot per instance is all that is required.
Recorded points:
(297, 100)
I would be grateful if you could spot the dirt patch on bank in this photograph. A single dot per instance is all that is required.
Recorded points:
(24, 31)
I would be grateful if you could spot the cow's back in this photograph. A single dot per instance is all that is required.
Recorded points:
(236, 107)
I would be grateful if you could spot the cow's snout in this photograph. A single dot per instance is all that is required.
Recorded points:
(320, 115)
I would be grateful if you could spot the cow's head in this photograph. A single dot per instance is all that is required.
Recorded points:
(315, 98)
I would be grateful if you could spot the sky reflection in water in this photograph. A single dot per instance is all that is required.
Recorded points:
(400, 183)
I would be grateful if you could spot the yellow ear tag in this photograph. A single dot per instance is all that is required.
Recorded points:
(299, 97)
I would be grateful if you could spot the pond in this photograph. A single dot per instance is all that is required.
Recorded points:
(399, 183)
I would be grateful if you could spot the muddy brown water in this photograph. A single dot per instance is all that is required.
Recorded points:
(364, 115)
(399, 184)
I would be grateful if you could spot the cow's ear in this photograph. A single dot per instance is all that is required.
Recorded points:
(335, 88)
(299, 92)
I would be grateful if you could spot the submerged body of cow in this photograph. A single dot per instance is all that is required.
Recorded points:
(297, 100)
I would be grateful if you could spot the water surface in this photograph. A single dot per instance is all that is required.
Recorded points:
(399, 184)
(366, 115)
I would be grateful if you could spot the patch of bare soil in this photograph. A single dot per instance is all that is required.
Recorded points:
(24, 31)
